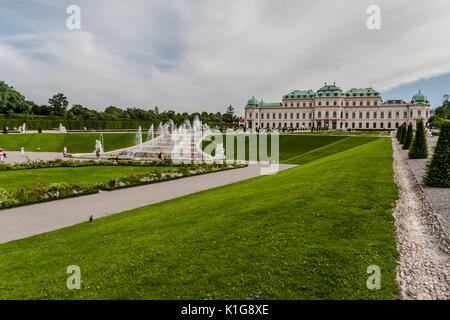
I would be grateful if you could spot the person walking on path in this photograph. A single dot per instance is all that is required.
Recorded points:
(97, 154)
(22, 152)
(65, 151)
(1, 155)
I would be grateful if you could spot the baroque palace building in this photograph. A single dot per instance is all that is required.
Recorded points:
(333, 109)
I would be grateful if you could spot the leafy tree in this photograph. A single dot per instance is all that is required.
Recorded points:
(408, 138)
(438, 167)
(59, 103)
(419, 148)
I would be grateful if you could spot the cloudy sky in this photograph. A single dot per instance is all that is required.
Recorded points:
(206, 54)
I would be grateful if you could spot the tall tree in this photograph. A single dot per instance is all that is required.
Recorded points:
(59, 103)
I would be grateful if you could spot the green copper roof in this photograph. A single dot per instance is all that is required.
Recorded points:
(252, 102)
(419, 97)
(329, 90)
(298, 94)
(355, 92)
(270, 104)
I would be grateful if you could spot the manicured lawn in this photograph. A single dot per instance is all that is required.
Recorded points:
(81, 176)
(75, 142)
(289, 145)
(309, 232)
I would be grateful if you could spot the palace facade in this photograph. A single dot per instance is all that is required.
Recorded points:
(332, 108)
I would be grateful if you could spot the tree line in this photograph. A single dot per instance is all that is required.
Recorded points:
(15, 110)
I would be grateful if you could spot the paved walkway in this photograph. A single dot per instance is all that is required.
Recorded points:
(16, 157)
(23, 222)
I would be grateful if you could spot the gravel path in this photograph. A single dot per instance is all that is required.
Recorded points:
(439, 197)
(424, 246)
(22, 222)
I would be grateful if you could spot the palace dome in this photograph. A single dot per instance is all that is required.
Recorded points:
(252, 102)
(419, 97)
(329, 90)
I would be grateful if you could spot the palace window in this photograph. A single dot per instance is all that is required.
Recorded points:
(320, 103)
(361, 103)
(353, 115)
(327, 103)
(367, 125)
(292, 116)
(335, 103)
(405, 114)
(285, 116)
(256, 115)
(374, 115)
(304, 115)
(285, 104)
(360, 115)
(397, 115)
(389, 125)
(347, 103)
(334, 114)
(292, 105)
(319, 115)
(375, 103)
(354, 103)
(427, 114)
(298, 104)
(374, 125)
(382, 115)
(298, 115)
(342, 114)
(389, 115)
(411, 114)
(368, 115)
(382, 125)
(346, 115)
(419, 113)
(274, 116)
(327, 114)
(360, 125)
(310, 104)
(304, 104)
(310, 115)
(279, 116)
(262, 116)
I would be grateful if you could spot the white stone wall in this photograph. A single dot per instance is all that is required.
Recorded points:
(361, 113)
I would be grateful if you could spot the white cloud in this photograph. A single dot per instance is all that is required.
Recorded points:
(204, 55)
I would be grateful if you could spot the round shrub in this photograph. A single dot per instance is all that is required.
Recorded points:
(419, 148)
(408, 138)
(438, 167)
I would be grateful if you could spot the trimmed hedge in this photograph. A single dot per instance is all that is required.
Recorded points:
(408, 138)
(438, 167)
(419, 148)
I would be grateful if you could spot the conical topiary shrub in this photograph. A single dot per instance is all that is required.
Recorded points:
(403, 134)
(438, 168)
(400, 132)
(419, 148)
(408, 138)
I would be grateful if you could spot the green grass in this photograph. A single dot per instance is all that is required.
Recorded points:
(309, 232)
(329, 149)
(81, 176)
(289, 145)
(75, 142)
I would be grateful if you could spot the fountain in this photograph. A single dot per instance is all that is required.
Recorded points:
(151, 134)
(98, 146)
(220, 152)
(139, 138)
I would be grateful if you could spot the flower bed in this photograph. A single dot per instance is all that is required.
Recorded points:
(40, 164)
(62, 190)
